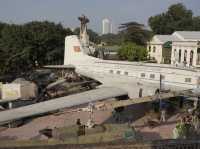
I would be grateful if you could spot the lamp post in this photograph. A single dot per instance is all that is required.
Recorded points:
(160, 92)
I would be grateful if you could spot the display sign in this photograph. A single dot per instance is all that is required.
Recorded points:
(11, 91)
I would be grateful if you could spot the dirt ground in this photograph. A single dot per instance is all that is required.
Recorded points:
(137, 113)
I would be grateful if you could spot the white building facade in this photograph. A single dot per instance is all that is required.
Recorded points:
(155, 47)
(184, 50)
(106, 26)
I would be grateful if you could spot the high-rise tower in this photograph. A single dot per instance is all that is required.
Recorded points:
(106, 26)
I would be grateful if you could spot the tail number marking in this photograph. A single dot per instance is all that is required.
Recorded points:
(77, 49)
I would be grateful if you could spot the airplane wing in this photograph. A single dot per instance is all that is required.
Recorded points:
(60, 103)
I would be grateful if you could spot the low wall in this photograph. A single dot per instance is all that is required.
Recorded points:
(163, 144)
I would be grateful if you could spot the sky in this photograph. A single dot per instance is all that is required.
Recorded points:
(67, 11)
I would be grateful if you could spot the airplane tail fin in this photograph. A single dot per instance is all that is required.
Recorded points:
(74, 53)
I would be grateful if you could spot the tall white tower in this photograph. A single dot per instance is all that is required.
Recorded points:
(106, 26)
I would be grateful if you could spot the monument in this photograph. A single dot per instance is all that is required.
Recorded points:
(83, 30)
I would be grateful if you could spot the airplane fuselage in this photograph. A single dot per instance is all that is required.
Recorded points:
(132, 76)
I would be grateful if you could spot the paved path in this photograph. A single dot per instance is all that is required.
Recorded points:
(31, 129)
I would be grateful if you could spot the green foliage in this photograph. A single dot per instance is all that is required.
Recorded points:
(129, 32)
(94, 37)
(11, 47)
(196, 23)
(132, 52)
(22, 45)
(76, 31)
(134, 32)
(177, 18)
(111, 39)
(2, 25)
(181, 130)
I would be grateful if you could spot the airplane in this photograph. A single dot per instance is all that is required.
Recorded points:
(130, 76)
(118, 78)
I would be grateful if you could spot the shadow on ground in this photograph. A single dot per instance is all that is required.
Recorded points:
(129, 114)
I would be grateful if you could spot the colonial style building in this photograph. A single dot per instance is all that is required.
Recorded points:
(182, 48)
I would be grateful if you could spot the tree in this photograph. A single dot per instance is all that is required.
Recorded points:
(111, 39)
(94, 37)
(22, 45)
(2, 25)
(132, 52)
(12, 42)
(76, 31)
(196, 23)
(134, 32)
(45, 37)
(177, 18)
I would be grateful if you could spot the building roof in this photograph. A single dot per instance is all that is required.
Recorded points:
(188, 35)
(177, 36)
(166, 38)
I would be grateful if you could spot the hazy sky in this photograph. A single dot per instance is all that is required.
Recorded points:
(67, 11)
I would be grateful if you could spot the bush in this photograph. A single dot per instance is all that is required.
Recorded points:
(132, 52)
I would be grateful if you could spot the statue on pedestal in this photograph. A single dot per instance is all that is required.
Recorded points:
(83, 30)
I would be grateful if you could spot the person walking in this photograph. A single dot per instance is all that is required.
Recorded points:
(163, 115)
(163, 112)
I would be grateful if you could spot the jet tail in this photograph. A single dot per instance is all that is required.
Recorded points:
(74, 52)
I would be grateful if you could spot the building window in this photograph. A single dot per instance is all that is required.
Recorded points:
(152, 76)
(111, 71)
(179, 57)
(142, 75)
(149, 48)
(154, 49)
(126, 73)
(185, 55)
(118, 72)
(188, 80)
(191, 58)
(198, 56)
